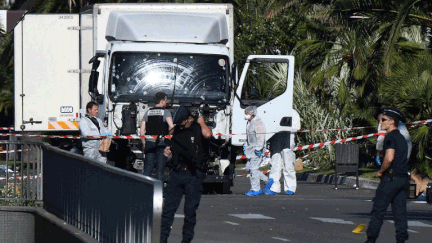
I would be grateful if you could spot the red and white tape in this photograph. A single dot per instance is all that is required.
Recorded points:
(316, 145)
(19, 177)
(6, 128)
(169, 136)
(12, 151)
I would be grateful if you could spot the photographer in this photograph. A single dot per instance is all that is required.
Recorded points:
(189, 163)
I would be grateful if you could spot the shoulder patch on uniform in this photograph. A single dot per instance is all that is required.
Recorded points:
(157, 112)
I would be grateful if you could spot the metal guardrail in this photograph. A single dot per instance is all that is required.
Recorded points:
(36, 225)
(21, 171)
(108, 203)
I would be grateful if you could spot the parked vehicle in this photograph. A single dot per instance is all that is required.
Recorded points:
(135, 51)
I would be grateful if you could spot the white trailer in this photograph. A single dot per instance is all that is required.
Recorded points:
(184, 50)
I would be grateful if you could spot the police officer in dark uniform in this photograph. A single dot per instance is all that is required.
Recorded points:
(156, 121)
(189, 161)
(394, 174)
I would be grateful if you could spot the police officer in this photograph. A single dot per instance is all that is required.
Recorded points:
(156, 121)
(190, 156)
(394, 185)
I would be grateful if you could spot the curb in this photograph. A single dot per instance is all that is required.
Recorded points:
(341, 180)
(327, 179)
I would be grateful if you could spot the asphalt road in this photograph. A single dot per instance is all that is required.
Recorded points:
(316, 213)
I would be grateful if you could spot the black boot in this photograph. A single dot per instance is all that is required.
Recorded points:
(164, 240)
(370, 240)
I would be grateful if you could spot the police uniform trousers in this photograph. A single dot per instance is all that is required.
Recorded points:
(395, 192)
(189, 184)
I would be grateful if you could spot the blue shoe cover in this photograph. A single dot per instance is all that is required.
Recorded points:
(288, 192)
(270, 193)
(253, 193)
(268, 185)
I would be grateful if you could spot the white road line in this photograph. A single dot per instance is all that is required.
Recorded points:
(179, 216)
(412, 231)
(228, 222)
(282, 239)
(250, 216)
(332, 220)
(414, 224)
(419, 202)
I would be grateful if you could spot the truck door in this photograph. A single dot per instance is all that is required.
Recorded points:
(47, 71)
(266, 82)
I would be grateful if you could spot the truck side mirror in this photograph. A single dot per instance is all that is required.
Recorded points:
(94, 76)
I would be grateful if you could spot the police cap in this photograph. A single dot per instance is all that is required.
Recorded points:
(181, 114)
(393, 113)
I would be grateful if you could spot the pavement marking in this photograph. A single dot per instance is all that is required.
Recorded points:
(331, 220)
(179, 216)
(412, 231)
(419, 202)
(414, 223)
(282, 239)
(228, 222)
(359, 228)
(250, 216)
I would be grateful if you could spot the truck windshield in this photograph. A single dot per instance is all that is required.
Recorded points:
(138, 76)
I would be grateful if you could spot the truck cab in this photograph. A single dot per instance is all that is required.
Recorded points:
(128, 52)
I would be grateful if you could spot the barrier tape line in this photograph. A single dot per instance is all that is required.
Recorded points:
(6, 128)
(169, 136)
(19, 177)
(12, 151)
(316, 145)
(320, 145)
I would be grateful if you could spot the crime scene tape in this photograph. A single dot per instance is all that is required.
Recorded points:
(320, 145)
(79, 137)
(316, 145)
(6, 128)
(19, 177)
(169, 136)
(12, 151)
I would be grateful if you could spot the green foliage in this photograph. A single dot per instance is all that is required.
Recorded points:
(257, 34)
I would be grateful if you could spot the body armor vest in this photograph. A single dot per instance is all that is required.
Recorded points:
(156, 125)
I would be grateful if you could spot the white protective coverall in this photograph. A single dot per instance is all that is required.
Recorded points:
(404, 131)
(380, 139)
(284, 162)
(255, 130)
(91, 146)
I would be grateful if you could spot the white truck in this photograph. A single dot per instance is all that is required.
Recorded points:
(121, 55)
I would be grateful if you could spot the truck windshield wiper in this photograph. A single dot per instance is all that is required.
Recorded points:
(175, 80)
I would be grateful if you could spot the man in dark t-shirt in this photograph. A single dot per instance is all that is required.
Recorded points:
(394, 185)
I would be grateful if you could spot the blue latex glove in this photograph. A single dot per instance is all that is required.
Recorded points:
(258, 153)
(109, 134)
(103, 134)
(377, 160)
(244, 149)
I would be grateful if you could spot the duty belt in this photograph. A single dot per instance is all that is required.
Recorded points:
(390, 172)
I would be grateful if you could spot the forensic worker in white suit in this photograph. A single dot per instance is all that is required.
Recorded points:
(91, 125)
(254, 149)
(283, 160)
